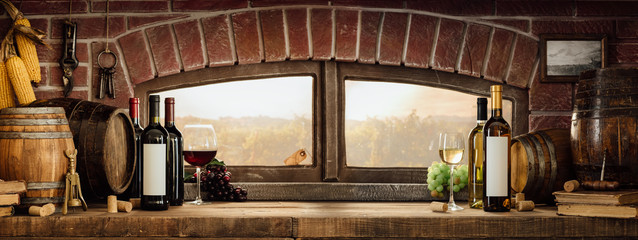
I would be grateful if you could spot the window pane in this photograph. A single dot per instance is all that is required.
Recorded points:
(257, 122)
(397, 125)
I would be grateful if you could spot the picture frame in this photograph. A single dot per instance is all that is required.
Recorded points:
(564, 56)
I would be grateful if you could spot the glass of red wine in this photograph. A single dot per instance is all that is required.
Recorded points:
(200, 147)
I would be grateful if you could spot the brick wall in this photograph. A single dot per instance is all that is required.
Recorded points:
(491, 39)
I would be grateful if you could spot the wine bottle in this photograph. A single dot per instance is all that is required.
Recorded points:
(135, 188)
(475, 157)
(175, 154)
(496, 163)
(155, 164)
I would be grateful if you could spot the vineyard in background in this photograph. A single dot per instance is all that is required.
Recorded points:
(411, 141)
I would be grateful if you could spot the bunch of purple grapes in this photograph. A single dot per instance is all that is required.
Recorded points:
(216, 181)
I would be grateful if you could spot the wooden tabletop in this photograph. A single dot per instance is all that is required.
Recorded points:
(285, 220)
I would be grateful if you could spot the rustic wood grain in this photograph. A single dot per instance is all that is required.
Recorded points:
(605, 126)
(32, 145)
(103, 136)
(316, 220)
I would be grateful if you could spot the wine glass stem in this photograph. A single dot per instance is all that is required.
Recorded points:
(199, 177)
(451, 202)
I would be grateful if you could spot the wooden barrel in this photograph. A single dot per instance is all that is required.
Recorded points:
(105, 139)
(541, 163)
(605, 126)
(32, 145)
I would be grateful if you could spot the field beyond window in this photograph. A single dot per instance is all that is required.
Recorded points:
(257, 122)
(398, 125)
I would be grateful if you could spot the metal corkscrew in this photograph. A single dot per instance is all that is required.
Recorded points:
(73, 192)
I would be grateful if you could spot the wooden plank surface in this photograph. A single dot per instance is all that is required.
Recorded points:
(319, 219)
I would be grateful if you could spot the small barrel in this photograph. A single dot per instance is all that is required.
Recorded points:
(32, 145)
(541, 163)
(605, 126)
(105, 140)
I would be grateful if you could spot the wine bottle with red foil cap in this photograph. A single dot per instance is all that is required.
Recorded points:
(175, 154)
(135, 188)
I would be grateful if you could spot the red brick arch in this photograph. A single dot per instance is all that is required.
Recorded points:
(497, 52)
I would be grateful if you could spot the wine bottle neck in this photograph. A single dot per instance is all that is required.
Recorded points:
(497, 101)
(153, 110)
(169, 110)
(497, 112)
(136, 121)
(134, 111)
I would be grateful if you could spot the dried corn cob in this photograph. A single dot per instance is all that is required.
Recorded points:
(19, 78)
(27, 52)
(6, 90)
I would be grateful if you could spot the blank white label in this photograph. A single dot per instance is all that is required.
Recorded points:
(496, 169)
(154, 169)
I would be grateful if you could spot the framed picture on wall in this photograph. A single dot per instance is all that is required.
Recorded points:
(564, 56)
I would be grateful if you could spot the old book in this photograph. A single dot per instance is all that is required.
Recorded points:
(593, 210)
(623, 197)
(9, 199)
(6, 211)
(13, 187)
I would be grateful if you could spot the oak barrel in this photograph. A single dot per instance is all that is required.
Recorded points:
(104, 137)
(32, 145)
(541, 163)
(605, 126)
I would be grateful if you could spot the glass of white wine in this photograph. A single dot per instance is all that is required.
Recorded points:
(451, 146)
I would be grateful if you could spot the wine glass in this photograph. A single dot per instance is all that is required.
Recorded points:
(200, 147)
(451, 146)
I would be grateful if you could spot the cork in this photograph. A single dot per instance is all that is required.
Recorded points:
(438, 207)
(525, 206)
(124, 206)
(571, 185)
(111, 204)
(136, 202)
(520, 197)
(43, 211)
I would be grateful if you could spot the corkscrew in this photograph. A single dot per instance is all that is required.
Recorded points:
(602, 185)
(73, 192)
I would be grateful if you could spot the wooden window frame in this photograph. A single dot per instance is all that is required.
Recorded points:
(329, 153)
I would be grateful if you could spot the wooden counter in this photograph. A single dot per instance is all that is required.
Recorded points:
(286, 220)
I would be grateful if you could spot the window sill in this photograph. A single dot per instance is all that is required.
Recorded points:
(331, 191)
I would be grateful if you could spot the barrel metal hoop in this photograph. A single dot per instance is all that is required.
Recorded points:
(45, 185)
(604, 113)
(552, 156)
(41, 200)
(541, 164)
(32, 110)
(530, 167)
(35, 135)
(33, 122)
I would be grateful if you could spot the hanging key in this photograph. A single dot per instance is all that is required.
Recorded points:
(106, 85)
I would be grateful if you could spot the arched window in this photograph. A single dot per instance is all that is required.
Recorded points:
(358, 123)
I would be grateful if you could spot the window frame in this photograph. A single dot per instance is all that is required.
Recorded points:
(424, 77)
(328, 109)
(301, 173)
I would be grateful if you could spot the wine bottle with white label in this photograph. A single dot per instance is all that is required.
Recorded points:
(496, 161)
(155, 162)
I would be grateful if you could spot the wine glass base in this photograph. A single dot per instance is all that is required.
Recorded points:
(454, 207)
(197, 203)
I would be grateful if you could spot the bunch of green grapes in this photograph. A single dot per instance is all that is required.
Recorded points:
(439, 178)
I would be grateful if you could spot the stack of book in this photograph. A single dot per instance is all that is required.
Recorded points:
(10, 196)
(612, 204)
